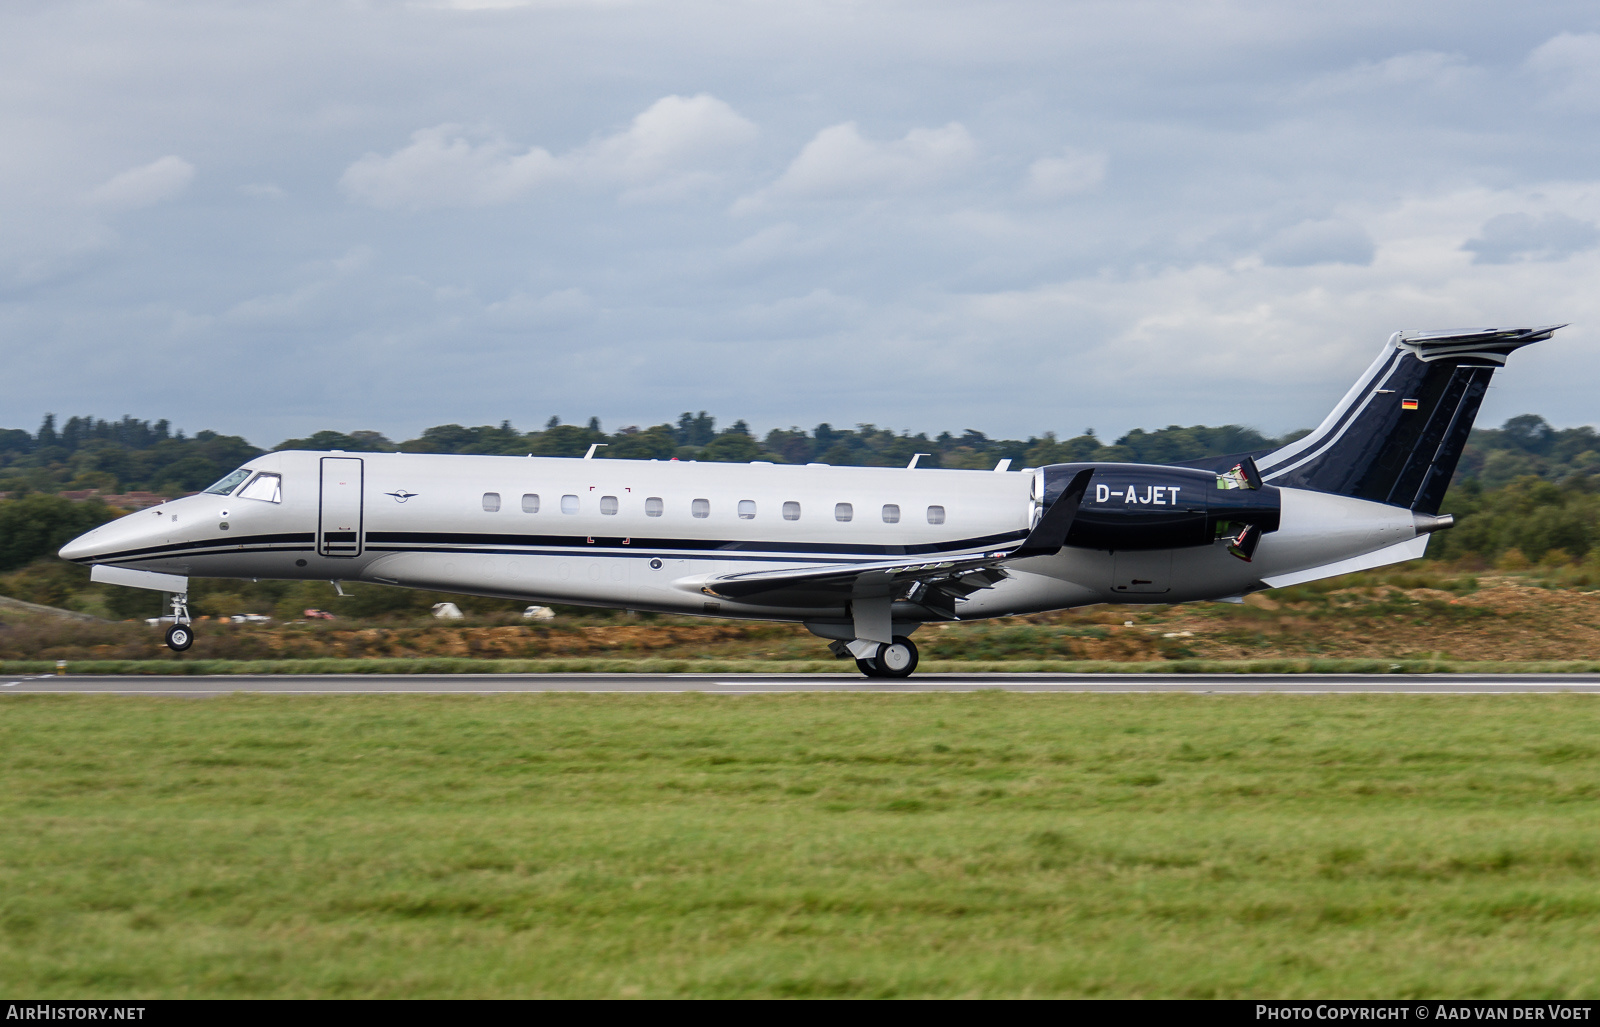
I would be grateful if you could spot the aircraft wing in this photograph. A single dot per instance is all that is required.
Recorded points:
(936, 583)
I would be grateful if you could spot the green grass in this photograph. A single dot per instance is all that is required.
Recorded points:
(985, 844)
(667, 665)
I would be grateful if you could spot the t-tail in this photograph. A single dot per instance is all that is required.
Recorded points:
(1396, 436)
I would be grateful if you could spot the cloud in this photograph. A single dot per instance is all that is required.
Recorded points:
(162, 179)
(820, 312)
(443, 167)
(38, 250)
(1319, 242)
(675, 135)
(840, 162)
(1418, 69)
(677, 143)
(521, 312)
(312, 297)
(543, 141)
(1050, 178)
(506, 5)
(1275, 334)
(1507, 238)
(1570, 64)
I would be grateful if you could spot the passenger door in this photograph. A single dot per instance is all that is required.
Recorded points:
(339, 513)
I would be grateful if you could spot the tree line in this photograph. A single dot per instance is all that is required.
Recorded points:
(86, 453)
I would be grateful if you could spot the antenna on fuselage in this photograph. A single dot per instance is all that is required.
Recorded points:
(590, 455)
(914, 458)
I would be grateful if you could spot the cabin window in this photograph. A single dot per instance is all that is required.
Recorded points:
(231, 482)
(530, 503)
(608, 505)
(266, 487)
(654, 507)
(491, 502)
(700, 508)
(747, 509)
(843, 511)
(791, 511)
(891, 513)
(935, 515)
(569, 504)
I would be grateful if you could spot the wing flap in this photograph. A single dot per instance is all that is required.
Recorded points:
(822, 586)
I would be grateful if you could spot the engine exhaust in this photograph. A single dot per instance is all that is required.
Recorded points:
(1429, 523)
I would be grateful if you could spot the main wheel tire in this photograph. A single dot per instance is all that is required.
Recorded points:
(896, 659)
(869, 668)
(180, 637)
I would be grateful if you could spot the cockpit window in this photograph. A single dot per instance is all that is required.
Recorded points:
(266, 487)
(231, 482)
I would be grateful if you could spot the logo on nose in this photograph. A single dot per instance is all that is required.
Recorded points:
(400, 495)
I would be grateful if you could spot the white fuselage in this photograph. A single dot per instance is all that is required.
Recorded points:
(645, 535)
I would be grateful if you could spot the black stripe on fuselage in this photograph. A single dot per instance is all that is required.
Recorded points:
(404, 541)
(562, 545)
(282, 543)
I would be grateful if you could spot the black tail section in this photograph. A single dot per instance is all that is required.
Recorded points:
(1396, 436)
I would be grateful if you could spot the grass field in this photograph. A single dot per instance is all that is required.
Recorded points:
(448, 665)
(983, 844)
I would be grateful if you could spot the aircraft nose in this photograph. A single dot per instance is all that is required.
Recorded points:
(83, 548)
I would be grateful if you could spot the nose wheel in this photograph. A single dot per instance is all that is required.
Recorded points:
(181, 635)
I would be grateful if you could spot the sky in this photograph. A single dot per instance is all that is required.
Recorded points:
(271, 218)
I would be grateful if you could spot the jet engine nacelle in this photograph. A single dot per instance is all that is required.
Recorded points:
(1145, 506)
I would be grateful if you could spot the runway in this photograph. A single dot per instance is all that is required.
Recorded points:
(753, 684)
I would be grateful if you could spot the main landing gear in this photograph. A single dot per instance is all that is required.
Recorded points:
(181, 635)
(895, 659)
(869, 638)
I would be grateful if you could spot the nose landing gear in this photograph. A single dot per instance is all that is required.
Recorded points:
(181, 635)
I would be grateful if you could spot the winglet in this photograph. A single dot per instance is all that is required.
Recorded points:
(1050, 534)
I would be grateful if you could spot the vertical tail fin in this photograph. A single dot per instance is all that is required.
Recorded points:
(1396, 436)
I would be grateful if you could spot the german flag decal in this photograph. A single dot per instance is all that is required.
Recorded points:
(1408, 404)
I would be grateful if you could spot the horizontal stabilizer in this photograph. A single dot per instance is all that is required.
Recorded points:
(1412, 549)
(1490, 345)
